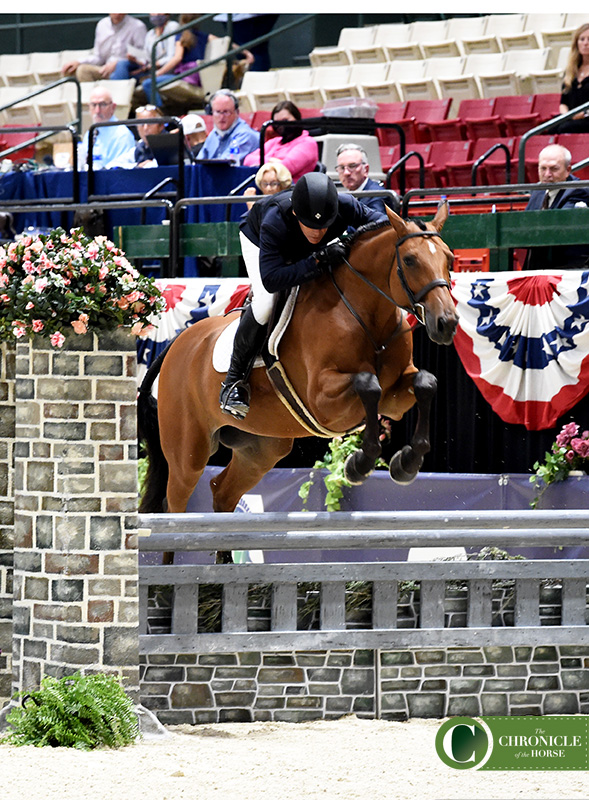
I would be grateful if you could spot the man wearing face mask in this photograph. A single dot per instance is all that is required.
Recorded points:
(137, 66)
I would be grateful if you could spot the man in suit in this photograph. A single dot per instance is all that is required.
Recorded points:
(352, 169)
(554, 166)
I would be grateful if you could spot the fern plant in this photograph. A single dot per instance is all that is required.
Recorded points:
(80, 711)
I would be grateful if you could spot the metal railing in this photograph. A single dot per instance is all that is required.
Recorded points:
(76, 123)
(360, 531)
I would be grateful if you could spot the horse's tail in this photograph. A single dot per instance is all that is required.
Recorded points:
(156, 478)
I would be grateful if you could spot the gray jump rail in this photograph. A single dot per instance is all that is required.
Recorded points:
(366, 530)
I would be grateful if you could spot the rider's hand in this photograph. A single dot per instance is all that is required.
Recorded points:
(332, 254)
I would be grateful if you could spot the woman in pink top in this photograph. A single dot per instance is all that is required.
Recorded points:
(294, 148)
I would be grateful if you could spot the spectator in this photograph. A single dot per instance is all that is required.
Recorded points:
(230, 132)
(352, 169)
(195, 132)
(554, 166)
(271, 178)
(575, 86)
(294, 147)
(246, 28)
(112, 38)
(189, 49)
(112, 145)
(143, 155)
(137, 66)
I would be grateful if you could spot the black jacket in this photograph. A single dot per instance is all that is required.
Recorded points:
(286, 256)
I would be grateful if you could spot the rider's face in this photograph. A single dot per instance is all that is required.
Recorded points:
(313, 235)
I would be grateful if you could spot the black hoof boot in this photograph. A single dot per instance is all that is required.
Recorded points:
(401, 474)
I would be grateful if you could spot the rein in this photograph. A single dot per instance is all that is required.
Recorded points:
(415, 306)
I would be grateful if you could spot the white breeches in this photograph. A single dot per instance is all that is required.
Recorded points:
(263, 301)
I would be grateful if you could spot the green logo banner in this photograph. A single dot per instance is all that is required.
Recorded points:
(515, 743)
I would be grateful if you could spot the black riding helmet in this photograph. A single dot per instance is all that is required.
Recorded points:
(314, 200)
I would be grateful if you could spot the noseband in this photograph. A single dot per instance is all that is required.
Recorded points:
(415, 306)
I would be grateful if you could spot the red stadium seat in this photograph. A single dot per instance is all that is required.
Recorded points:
(546, 105)
(426, 111)
(443, 153)
(453, 129)
(459, 173)
(516, 113)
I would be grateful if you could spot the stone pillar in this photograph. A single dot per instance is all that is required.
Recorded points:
(75, 604)
(6, 516)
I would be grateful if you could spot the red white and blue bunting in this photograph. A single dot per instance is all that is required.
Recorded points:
(524, 340)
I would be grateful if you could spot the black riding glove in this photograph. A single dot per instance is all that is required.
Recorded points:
(332, 254)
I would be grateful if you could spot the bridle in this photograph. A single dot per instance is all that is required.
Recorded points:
(415, 305)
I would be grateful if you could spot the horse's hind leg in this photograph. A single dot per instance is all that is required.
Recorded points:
(406, 463)
(253, 456)
(360, 463)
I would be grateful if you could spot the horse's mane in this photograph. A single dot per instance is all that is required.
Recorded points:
(353, 237)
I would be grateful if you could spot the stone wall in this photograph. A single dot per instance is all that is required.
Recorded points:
(75, 601)
(389, 684)
(6, 515)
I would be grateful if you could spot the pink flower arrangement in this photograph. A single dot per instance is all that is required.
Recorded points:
(569, 452)
(65, 281)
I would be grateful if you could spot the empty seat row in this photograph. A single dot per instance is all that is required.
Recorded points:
(493, 33)
(481, 75)
(58, 105)
(24, 69)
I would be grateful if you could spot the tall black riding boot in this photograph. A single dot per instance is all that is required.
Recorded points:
(235, 392)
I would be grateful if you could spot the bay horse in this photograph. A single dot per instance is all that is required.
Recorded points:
(347, 352)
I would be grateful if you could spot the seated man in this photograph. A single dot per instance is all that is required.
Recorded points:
(195, 132)
(288, 241)
(112, 145)
(143, 154)
(554, 166)
(352, 169)
(113, 36)
(231, 136)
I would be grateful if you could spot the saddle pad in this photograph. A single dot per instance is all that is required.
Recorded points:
(224, 347)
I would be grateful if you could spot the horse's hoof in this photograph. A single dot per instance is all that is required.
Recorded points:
(351, 473)
(398, 473)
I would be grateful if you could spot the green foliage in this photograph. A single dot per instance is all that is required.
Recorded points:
(334, 461)
(81, 711)
(142, 466)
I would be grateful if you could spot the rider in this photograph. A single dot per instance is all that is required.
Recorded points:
(286, 240)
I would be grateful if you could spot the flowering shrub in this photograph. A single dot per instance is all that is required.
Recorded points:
(51, 284)
(570, 451)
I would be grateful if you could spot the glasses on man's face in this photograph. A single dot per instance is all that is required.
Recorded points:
(222, 113)
(269, 184)
(341, 168)
(102, 104)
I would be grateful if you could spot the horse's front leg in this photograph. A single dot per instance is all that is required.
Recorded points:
(361, 463)
(406, 463)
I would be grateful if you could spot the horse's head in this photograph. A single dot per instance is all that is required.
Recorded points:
(421, 280)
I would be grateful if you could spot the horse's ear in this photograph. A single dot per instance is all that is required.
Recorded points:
(441, 216)
(396, 222)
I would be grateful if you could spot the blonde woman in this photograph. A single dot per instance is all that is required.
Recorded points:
(575, 86)
(271, 178)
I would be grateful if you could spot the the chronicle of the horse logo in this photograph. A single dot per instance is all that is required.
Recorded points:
(515, 743)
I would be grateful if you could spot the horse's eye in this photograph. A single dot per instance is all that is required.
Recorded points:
(410, 261)
(450, 261)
